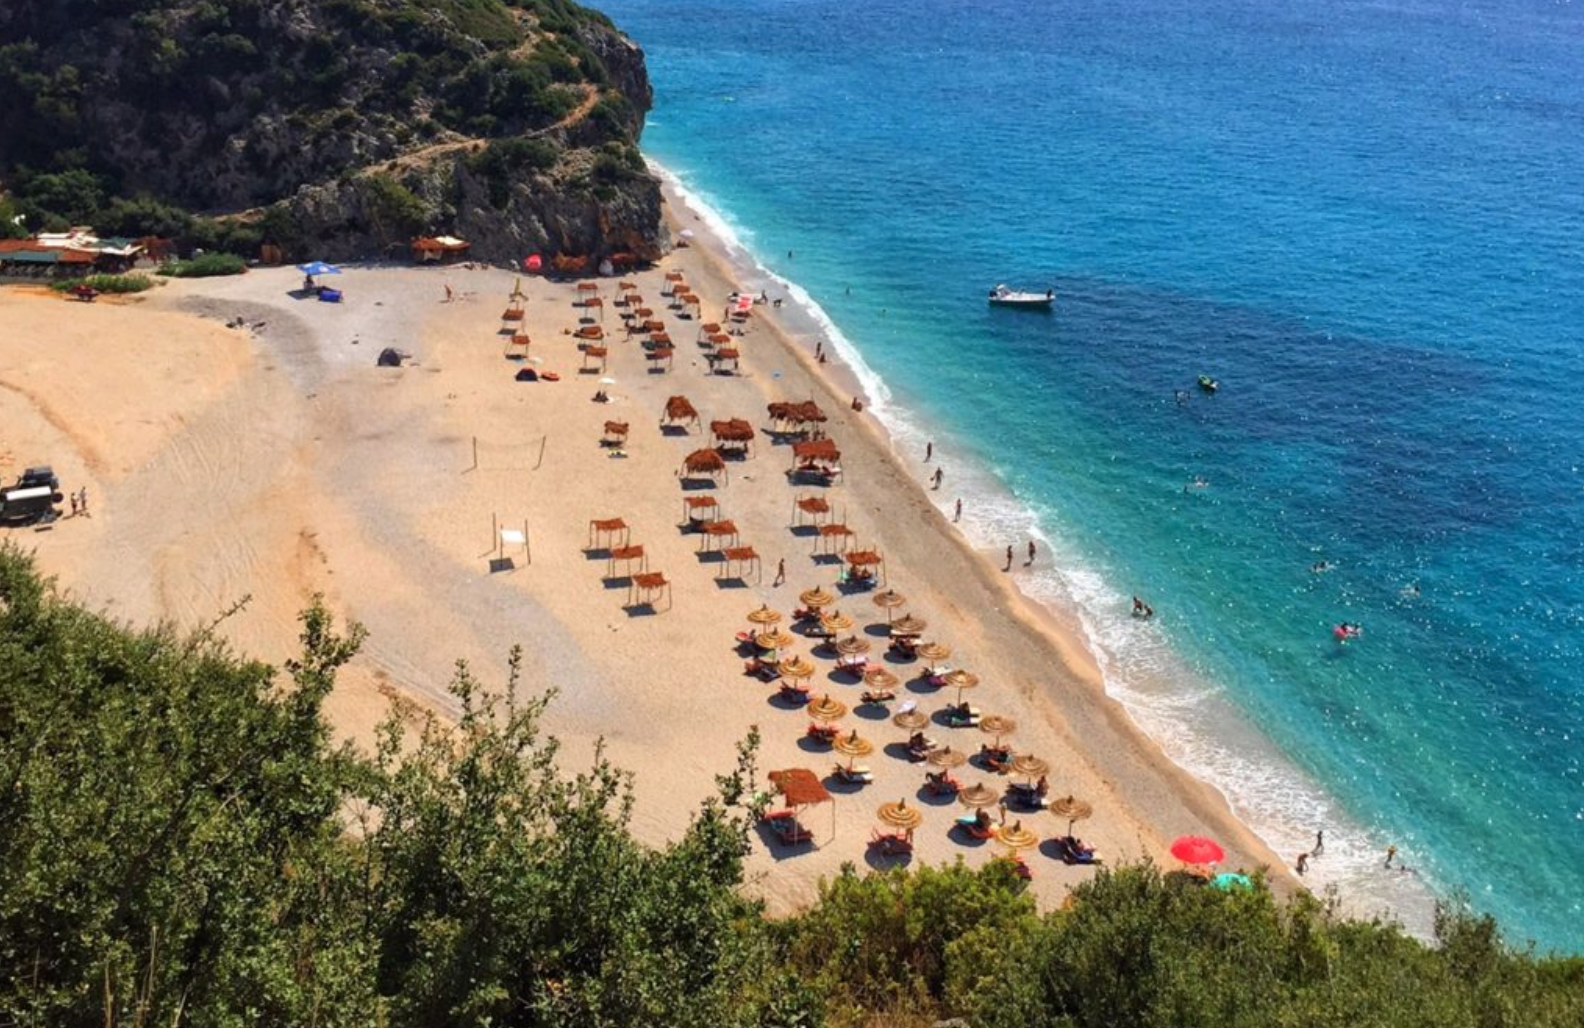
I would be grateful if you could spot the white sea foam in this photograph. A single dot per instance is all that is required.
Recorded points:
(1191, 718)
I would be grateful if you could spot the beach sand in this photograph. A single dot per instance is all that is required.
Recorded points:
(278, 462)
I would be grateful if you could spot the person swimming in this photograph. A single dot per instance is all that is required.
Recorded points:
(1320, 567)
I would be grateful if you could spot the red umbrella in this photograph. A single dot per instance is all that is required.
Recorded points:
(533, 262)
(1196, 849)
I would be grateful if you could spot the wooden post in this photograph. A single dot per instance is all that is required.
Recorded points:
(527, 547)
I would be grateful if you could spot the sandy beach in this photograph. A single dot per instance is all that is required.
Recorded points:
(278, 461)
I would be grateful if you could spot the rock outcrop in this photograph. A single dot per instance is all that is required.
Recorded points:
(345, 127)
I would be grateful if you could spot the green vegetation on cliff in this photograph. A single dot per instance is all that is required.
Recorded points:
(181, 844)
(135, 115)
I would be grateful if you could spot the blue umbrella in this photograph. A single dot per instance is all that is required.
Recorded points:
(1228, 880)
(318, 268)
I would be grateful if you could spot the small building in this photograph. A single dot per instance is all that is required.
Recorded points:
(439, 249)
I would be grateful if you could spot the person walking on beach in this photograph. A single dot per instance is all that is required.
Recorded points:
(780, 572)
(938, 477)
(1303, 863)
(819, 350)
(1391, 853)
(74, 504)
(957, 514)
(82, 500)
(1009, 559)
(449, 294)
(1031, 554)
(1319, 846)
(929, 451)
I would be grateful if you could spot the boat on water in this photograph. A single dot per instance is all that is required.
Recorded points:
(1002, 296)
(1208, 384)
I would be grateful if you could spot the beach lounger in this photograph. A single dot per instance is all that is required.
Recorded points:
(942, 784)
(823, 733)
(973, 829)
(879, 695)
(891, 844)
(856, 775)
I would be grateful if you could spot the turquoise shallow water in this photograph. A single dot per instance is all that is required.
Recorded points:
(1367, 221)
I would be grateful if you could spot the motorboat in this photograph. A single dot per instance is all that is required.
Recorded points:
(1208, 384)
(1002, 296)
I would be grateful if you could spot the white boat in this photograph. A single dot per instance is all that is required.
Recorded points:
(1001, 296)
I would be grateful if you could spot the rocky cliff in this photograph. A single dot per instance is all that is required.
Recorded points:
(337, 127)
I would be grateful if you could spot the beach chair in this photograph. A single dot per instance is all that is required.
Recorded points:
(1073, 851)
(879, 695)
(823, 733)
(942, 784)
(1025, 796)
(858, 774)
(972, 828)
(785, 827)
(891, 844)
(997, 758)
(794, 692)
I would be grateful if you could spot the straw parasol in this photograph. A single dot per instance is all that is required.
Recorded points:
(900, 815)
(962, 681)
(881, 678)
(852, 646)
(909, 625)
(817, 598)
(1030, 766)
(1015, 837)
(827, 709)
(764, 616)
(934, 651)
(912, 720)
(1073, 809)
(796, 667)
(835, 621)
(947, 757)
(853, 745)
(889, 601)
(998, 725)
(977, 796)
(774, 639)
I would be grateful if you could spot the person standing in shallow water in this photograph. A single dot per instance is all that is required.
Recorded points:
(1031, 552)
(957, 514)
(1009, 559)
(1319, 846)
(1303, 863)
(929, 451)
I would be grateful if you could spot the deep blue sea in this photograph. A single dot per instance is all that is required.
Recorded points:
(1366, 220)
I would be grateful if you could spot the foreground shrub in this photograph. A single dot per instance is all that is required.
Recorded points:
(207, 266)
(134, 283)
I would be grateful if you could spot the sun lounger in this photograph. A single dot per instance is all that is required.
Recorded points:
(855, 775)
(823, 733)
(891, 843)
(1024, 795)
(1073, 851)
(972, 828)
(784, 825)
(879, 695)
(942, 784)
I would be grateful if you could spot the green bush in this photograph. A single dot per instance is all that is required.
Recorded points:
(207, 266)
(180, 843)
(133, 283)
(394, 210)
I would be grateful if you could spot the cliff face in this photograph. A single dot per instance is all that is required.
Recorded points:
(341, 126)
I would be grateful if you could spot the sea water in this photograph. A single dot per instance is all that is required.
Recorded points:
(1366, 221)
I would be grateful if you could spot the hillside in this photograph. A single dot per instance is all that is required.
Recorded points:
(343, 127)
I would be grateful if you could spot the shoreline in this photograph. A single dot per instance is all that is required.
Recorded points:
(1053, 630)
(348, 458)
(1060, 618)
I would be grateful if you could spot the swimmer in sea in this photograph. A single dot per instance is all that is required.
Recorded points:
(1320, 567)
